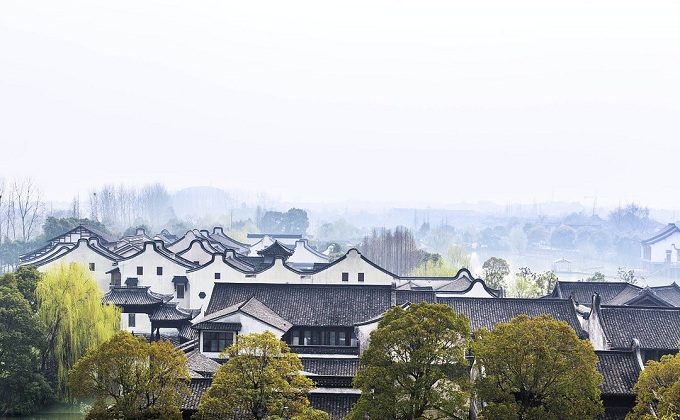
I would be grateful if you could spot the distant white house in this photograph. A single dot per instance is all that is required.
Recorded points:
(661, 253)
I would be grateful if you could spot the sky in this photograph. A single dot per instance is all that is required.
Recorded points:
(418, 103)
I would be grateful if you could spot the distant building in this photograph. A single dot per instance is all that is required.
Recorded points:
(661, 253)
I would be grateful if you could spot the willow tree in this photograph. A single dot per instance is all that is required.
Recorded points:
(70, 306)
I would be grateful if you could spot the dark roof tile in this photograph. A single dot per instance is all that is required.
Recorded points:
(487, 313)
(655, 328)
(619, 370)
(307, 304)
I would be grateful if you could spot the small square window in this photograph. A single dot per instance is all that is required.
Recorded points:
(91, 266)
(360, 277)
(217, 276)
(345, 276)
(131, 321)
(159, 271)
(140, 271)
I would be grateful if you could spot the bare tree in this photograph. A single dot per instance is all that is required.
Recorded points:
(29, 205)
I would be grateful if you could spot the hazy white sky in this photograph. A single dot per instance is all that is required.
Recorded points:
(416, 102)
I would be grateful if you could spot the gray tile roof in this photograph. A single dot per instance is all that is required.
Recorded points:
(171, 312)
(308, 304)
(330, 366)
(415, 296)
(197, 388)
(664, 233)
(670, 293)
(583, 291)
(336, 405)
(487, 313)
(252, 307)
(197, 362)
(141, 296)
(619, 370)
(655, 328)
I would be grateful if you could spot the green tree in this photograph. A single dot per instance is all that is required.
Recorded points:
(563, 237)
(529, 284)
(628, 276)
(294, 221)
(27, 278)
(23, 389)
(495, 271)
(55, 226)
(596, 277)
(536, 369)
(260, 380)
(69, 306)
(415, 366)
(658, 390)
(132, 379)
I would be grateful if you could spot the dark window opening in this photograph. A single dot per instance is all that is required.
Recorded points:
(201, 295)
(322, 337)
(216, 342)
(217, 276)
(345, 276)
(131, 321)
(91, 266)
(140, 271)
(159, 271)
(179, 288)
(360, 277)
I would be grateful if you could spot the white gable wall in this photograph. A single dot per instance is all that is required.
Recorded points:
(659, 248)
(150, 260)
(353, 264)
(83, 254)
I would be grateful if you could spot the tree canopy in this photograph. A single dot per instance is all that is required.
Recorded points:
(150, 378)
(495, 271)
(415, 365)
(294, 221)
(70, 307)
(261, 379)
(536, 369)
(23, 389)
(658, 390)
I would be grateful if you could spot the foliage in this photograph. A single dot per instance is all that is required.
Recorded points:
(628, 276)
(631, 220)
(529, 284)
(294, 221)
(658, 390)
(596, 277)
(495, 271)
(131, 378)
(340, 230)
(261, 379)
(23, 389)
(536, 369)
(396, 252)
(27, 278)
(458, 257)
(55, 226)
(415, 365)
(440, 238)
(517, 240)
(69, 305)
(563, 237)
